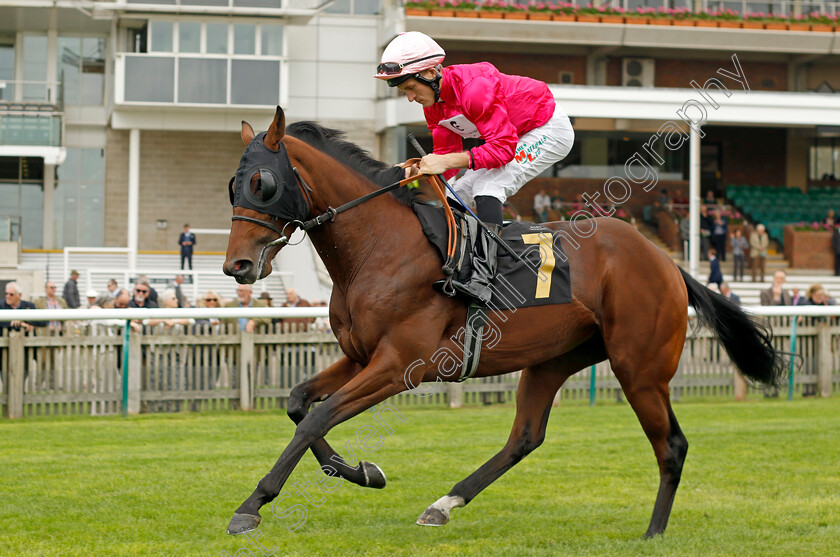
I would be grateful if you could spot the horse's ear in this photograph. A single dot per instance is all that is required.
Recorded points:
(247, 133)
(276, 130)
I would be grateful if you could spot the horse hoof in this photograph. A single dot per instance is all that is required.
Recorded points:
(241, 523)
(433, 517)
(374, 476)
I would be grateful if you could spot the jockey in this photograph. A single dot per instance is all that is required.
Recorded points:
(524, 132)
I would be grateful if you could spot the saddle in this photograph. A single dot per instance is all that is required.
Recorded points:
(538, 276)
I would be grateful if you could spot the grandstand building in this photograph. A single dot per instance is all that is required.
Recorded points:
(119, 119)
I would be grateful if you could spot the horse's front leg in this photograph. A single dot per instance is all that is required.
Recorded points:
(381, 379)
(319, 387)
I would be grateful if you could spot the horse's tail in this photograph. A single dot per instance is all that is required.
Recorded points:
(749, 344)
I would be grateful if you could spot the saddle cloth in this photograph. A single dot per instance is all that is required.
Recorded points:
(542, 279)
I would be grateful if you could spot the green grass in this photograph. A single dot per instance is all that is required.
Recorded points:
(761, 479)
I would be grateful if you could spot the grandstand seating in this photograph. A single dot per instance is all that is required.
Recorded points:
(776, 207)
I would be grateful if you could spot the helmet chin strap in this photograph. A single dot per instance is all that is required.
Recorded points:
(433, 83)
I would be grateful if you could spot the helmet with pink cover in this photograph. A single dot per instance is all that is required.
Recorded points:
(406, 56)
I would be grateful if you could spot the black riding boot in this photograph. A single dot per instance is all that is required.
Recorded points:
(484, 270)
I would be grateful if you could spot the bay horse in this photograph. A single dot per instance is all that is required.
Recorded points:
(629, 305)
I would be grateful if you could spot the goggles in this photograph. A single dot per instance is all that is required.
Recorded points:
(394, 68)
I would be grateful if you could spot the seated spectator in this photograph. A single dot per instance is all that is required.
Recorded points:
(266, 297)
(112, 289)
(797, 299)
(542, 203)
(715, 276)
(13, 300)
(170, 301)
(726, 292)
(776, 295)
(664, 199)
(710, 198)
(122, 299)
(245, 300)
(817, 296)
(91, 296)
(51, 301)
(557, 203)
(295, 301)
(152, 296)
(210, 300)
(830, 221)
(142, 298)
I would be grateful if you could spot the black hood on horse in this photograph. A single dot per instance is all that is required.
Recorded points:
(276, 193)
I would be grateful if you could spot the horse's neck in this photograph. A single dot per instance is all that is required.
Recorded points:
(365, 239)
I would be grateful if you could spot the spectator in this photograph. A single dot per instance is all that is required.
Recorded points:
(710, 198)
(835, 247)
(817, 296)
(122, 299)
(720, 231)
(13, 300)
(71, 290)
(179, 294)
(664, 199)
(830, 221)
(685, 235)
(91, 296)
(796, 299)
(776, 295)
(112, 289)
(186, 240)
(210, 300)
(244, 300)
(715, 276)
(705, 232)
(295, 301)
(726, 292)
(141, 298)
(153, 295)
(542, 203)
(739, 245)
(51, 301)
(759, 242)
(322, 323)
(266, 297)
(170, 301)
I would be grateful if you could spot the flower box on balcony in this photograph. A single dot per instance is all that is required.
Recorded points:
(822, 27)
(540, 16)
(563, 17)
(683, 23)
(729, 23)
(516, 15)
(491, 15)
(610, 18)
(752, 24)
(636, 20)
(418, 12)
(776, 25)
(660, 21)
(588, 18)
(708, 23)
(799, 26)
(436, 12)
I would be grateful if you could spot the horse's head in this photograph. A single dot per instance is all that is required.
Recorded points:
(268, 202)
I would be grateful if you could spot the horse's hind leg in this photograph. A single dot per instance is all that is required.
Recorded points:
(537, 387)
(319, 387)
(646, 388)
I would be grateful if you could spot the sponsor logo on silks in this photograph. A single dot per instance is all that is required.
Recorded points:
(529, 153)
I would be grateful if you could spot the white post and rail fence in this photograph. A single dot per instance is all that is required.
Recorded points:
(205, 367)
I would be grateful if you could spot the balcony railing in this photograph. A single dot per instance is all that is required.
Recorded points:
(190, 80)
(30, 91)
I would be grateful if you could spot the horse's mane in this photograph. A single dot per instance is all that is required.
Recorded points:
(333, 143)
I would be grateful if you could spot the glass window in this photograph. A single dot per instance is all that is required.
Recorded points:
(244, 38)
(149, 79)
(35, 68)
(80, 198)
(255, 82)
(189, 36)
(160, 35)
(258, 3)
(69, 59)
(22, 195)
(202, 80)
(272, 40)
(823, 157)
(339, 7)
(7, 72)
(366, 7)
(93, 71)
(223, 3)
(217, 38)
